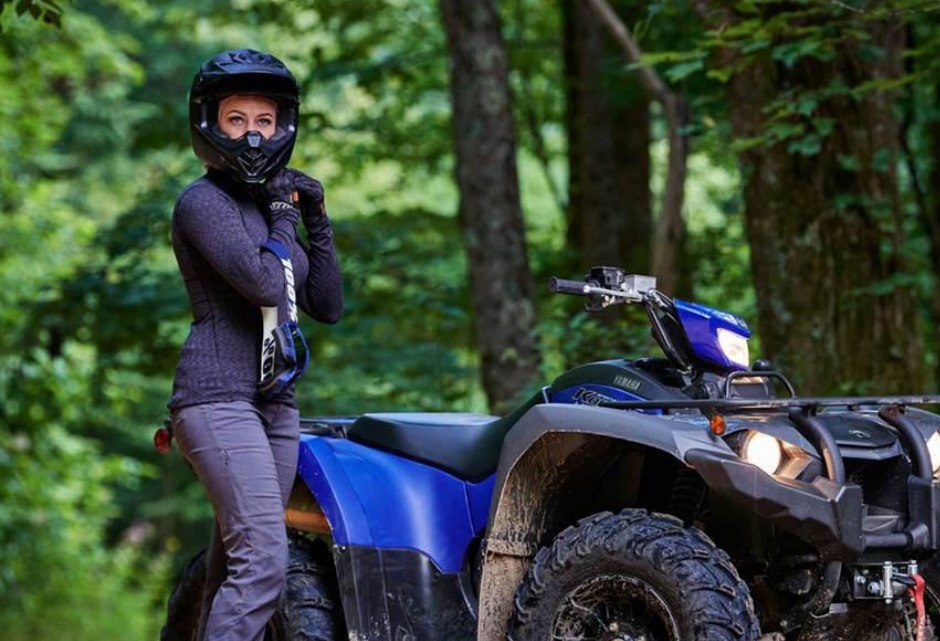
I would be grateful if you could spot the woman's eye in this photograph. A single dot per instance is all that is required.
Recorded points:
(265, 122)
(235, 120)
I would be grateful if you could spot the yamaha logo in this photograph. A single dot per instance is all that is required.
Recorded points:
(627, 383)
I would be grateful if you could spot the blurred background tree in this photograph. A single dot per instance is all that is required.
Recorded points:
(813, 142)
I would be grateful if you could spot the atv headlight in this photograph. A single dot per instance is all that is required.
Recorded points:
(762, 450)
(770, 454)
(933, 448)
(734, 347)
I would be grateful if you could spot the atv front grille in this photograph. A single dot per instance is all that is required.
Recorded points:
(883, 482)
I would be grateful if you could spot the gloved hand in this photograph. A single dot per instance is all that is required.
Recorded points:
(279, 190)
(279, 187)
(312, 203)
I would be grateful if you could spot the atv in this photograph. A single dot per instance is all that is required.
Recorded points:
(685, 498)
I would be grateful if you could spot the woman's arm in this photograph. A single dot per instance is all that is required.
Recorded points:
(321, 294)
(212, 223)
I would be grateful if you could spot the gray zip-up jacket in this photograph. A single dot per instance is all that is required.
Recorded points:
(217, 230)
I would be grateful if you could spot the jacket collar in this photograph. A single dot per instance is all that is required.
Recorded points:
(235, 187)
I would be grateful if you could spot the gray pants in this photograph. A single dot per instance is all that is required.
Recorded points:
(245, 456)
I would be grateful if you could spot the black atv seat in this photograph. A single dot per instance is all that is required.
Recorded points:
(466, 445)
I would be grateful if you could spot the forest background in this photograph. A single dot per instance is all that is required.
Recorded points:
(775, 159)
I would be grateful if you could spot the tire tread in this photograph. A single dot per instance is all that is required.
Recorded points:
(718, 599)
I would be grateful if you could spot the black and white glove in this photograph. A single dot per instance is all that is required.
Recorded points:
(279, 191)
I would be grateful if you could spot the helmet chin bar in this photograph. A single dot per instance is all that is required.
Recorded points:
(254, 159)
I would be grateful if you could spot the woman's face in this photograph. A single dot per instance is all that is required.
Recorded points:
(240, 113)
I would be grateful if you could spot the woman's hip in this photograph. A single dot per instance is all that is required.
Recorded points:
(245, 454)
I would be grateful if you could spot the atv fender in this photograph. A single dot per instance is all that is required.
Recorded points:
(544, 448)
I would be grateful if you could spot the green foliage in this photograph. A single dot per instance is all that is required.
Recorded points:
(92, 310)
(57, 576)
(47, 11)
(799, 35)
(405, 285)
(64, 97)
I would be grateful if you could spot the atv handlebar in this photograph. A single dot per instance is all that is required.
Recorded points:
(625, 289)
(606, 286)
(561, 286)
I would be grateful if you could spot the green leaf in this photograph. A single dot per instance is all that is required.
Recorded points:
(882, 160)
(52, 18)
(746, 6)
(745, 144)
(806, 146)
(684, 70)
(870, 52)
(720, 74)
(755, 45)
(849, 163)
(785, 130)
(790, 53)
(806, 105)
(657, 57)
(844, 201)
(824, 125)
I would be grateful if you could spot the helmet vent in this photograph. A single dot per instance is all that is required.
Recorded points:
(253, 161)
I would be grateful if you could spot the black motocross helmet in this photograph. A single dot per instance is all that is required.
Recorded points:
(250, 158)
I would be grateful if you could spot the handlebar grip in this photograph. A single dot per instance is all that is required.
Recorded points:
(561, 286)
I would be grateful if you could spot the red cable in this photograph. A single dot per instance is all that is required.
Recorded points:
(917, 592)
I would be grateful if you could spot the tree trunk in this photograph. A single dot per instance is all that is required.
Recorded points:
(824, 230)
(490, 210)
(670, 227)
(609, 208)
(931, 223)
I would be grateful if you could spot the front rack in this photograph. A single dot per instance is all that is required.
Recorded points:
(808, 403)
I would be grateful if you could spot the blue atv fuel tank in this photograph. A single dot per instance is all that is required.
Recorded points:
(613, 380)
(378, 499)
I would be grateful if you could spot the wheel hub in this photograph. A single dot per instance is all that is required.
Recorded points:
(623, 631)
(614, 608)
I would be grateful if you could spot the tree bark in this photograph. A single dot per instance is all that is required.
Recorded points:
(490, 212)
(931, 224)
(670, 227)
(607, 118)
(825, 233)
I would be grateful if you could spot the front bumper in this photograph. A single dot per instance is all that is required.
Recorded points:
(825, 513)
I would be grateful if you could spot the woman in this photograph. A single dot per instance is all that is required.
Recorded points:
(245, 271)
